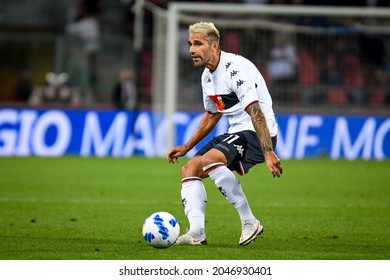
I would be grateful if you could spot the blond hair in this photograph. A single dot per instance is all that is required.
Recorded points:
(209, 30)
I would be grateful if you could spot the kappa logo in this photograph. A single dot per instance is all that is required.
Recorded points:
(240, 83)
(222, 190)
(184, 202)
(233, 73)
(240, 149)
(227, 65)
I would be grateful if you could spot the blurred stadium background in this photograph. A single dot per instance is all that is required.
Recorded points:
(341, 60)
(318, 57)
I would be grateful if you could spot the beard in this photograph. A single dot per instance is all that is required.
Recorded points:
(198, 62)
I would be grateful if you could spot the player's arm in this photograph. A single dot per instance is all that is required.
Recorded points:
(244, 87)
(206, 125)
(260, 125)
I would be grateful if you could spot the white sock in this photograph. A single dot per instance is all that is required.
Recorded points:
(231, 189)
(194, 200)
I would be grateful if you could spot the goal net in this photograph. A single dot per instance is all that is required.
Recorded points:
(314, 59)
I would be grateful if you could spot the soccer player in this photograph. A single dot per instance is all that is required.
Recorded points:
(232, 86)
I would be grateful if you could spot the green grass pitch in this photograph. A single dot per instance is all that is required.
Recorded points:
(74, 208)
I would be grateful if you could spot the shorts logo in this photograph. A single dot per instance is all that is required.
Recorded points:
(240, 149)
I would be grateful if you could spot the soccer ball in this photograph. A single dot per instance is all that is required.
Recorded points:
(160, 229)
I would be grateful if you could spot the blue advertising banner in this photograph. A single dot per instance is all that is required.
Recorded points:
(53, 132)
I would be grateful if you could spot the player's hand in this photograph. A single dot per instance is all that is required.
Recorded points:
(273, 164)
(174, 154)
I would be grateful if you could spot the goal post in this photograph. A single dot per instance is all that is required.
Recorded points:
(171, 71)
(244, 20)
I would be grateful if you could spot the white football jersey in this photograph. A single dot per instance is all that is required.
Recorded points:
(232, 87)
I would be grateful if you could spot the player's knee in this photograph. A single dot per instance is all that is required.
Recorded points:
(192, 168)
(184, 171)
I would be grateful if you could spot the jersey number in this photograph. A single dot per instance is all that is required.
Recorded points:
(231, 138)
